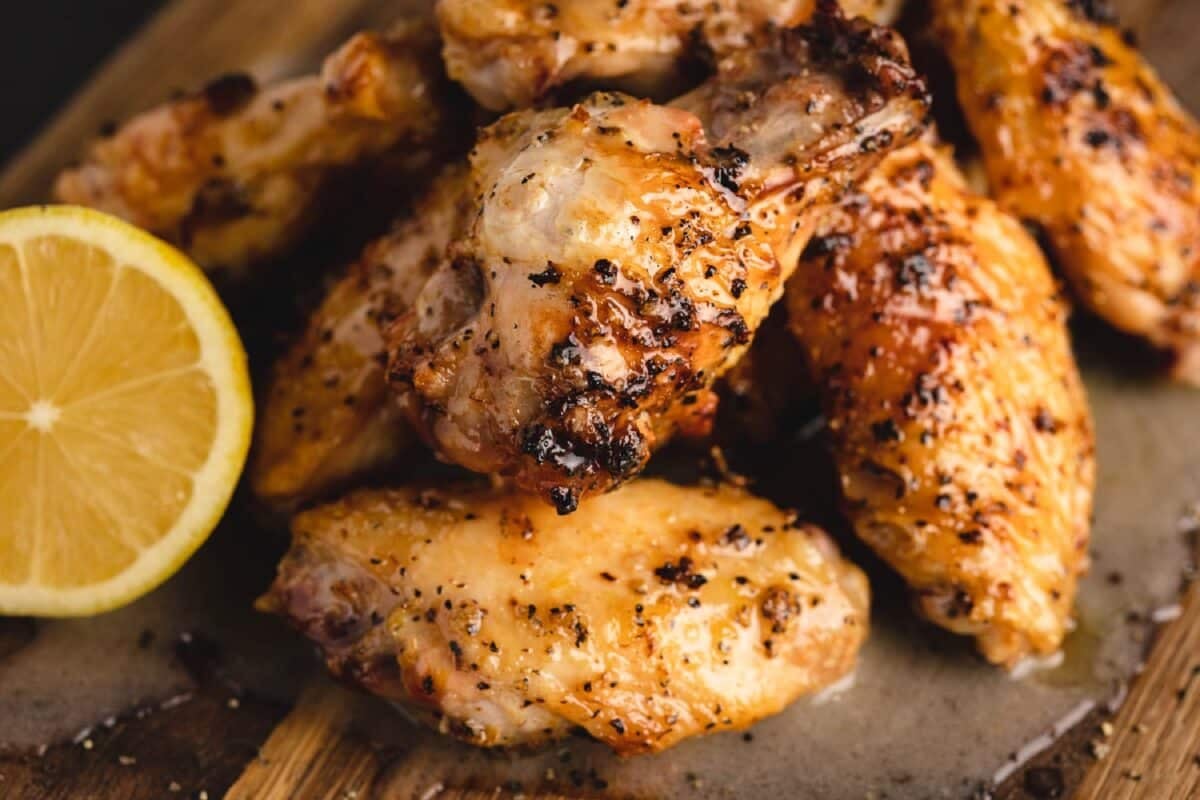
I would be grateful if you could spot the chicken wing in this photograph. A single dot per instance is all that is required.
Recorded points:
(653, 614)
(232, 174)
(619, 259)
(957, 416)
(328, 415)
(1081, 137)
(511, 53)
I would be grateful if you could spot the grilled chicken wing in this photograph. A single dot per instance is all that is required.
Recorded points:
(232, 174)
(653, 614)
(619, 259)
(1080, 136)
(957, 417)
(511, 53)
(328, 414)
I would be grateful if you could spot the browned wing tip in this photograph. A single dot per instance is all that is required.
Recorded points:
(871, 57)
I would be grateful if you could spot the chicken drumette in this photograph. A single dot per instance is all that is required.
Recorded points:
(938, 340)
(653, 614)
(619, 257)
(511, 53)
(1081, 137)
(233, 174)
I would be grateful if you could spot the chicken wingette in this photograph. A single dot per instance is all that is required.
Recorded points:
(328, 416)
(653, 614)
(619, 256)
(234, 174)
(937, 339)
(1080, 137)
(512, 53)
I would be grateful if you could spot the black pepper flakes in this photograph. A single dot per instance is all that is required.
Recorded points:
(1043, 422)
(680, 573)
(886, 431)
(550, 275)
(728, 165)
(606, 270)
(565, 500)
(736, 537)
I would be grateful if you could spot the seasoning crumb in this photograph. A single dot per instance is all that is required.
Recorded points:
(234, 703)
(126, 761)
(174, 787)
(1098, 749)
(88, 744)
(1106, 728)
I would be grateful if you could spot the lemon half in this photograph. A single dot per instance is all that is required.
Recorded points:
(125, 411)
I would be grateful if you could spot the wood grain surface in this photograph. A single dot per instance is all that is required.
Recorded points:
(310, 753)
(1155, 746)
(210, 745)
(199, 746)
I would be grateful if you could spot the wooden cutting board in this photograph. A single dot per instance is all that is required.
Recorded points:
(214, 739)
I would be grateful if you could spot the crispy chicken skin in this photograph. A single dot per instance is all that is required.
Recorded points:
(328, 415)
(232, 174)
(956, 414)
(653, 614)
(511, 53)
(832, 96)
(1081, 137)
(619, 259)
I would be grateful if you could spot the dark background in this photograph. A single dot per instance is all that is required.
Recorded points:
(49, 49)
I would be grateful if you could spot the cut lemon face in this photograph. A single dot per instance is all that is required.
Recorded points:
(125, 411)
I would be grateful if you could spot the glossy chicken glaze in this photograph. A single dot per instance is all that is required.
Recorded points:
(232, 174)
(328, 415)
(512, 53)
(653, 614)
(619, 260)
(938, 340)
(1081, 137)
(810, 110)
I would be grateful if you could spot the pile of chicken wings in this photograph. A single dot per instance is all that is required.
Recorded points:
(647, 181)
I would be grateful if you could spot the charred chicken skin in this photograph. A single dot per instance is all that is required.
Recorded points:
(653, 614)
(619, 257)
(512, 53)
(328, 414)
(937, 338)
(1082, 138)
(233, 174)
